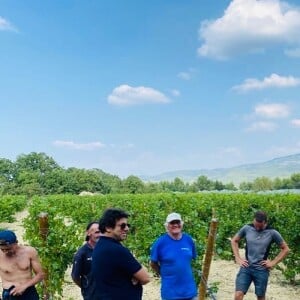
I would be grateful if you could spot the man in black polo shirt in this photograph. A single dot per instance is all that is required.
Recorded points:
(82, 263)
(117, 274)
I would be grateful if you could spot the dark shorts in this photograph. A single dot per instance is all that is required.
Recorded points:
(29, 294)
(247, 275)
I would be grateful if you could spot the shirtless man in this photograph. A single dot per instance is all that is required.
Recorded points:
(20, 268)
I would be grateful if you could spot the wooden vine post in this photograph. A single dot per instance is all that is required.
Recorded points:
(207, 259)
(44, 229)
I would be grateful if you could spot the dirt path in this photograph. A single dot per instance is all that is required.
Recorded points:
(221, 271)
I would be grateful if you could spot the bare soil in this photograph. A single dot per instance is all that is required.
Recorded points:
(221, 272)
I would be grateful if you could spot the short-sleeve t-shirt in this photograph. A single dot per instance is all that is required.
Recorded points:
(258, 243)
(174, 258)
(112, 269)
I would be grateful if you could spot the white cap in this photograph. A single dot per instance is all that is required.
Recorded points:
(172, 217)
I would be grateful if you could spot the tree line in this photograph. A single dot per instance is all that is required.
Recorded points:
(39, 174)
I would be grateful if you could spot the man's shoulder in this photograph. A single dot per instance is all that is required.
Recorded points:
(187, 236)
(249, 226)
(27, 249)
(84, 249)
(107, 244)
(161, 238)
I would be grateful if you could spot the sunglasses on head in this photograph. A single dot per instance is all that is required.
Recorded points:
(123, 225)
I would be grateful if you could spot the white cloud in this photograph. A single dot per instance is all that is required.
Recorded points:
(77, 146)
(125, 95)
(184, 75)
(295, 123)
(273, 80)
(6, 25)
(272, 110)
(250, 26)
(262, 126)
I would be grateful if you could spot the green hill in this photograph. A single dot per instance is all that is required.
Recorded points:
(278, 167)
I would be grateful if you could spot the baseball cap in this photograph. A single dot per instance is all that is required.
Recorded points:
(172, 217)
(7, 237)
(260, 216)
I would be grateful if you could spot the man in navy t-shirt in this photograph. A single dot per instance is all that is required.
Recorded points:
(117, 274)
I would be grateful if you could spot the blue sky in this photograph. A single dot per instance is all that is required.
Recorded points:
(143, 87)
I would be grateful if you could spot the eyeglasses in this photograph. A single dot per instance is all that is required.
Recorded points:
(123, 225)
(175, 222)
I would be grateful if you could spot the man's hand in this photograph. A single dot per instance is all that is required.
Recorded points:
(134, 281)
(18, 290)
(242, 262)
(268, 264)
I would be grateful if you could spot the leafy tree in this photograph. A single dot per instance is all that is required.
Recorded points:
(230, 186)
(218, 185)
(111, 183)
(295, 180)
(133, 185)
(262, 184)
(246, 186)
(7, 170)
(55, 182)
(277, 184)
(39, 162)
(204, 184)
(7, 173)
(30, 172)
(151, 187)
(178, 185)
(287, 183)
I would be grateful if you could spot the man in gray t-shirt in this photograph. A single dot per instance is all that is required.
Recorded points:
(256, 265)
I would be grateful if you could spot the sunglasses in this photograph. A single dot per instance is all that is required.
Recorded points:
(175, 222)
(123, 225)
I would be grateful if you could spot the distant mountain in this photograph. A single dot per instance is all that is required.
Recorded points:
(278, 167)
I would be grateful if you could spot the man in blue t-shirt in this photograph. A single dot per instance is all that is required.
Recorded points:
(171, 256)
(117, 274)
(255, 267)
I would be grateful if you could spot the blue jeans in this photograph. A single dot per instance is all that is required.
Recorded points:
(259, 277)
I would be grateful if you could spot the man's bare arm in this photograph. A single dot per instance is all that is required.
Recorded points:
(281, 255)
(142, 276)
(77, 281)
(236, 252)
(155, 267)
